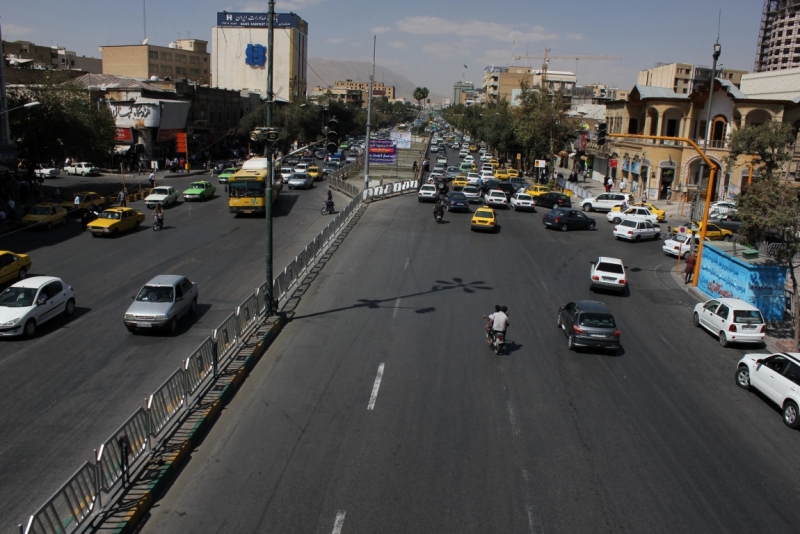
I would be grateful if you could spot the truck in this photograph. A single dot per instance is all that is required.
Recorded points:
(82, 168)
(247, 188)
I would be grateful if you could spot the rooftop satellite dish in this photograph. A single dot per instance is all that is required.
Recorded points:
(144, 42)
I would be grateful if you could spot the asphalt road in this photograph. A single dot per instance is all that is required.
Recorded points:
(654, 439)
(67, 389)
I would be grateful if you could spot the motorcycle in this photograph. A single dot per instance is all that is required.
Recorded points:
(438, 215)
(88, 215)
(157, 223)
(496, 341)
(327, 208)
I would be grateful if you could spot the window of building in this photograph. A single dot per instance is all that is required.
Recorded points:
(180, 58)
(152, 54)
(153, 69)
(205, 59)
(166, 70)
(194, 72)
(166, 56)
(180, 71)
(194, 59)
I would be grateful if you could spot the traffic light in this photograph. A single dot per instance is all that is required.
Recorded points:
(601, 133)
(333, 136)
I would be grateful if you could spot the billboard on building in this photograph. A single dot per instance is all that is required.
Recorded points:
(257, 20)
(402, 139)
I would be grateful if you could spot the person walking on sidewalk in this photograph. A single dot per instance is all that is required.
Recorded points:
(123, 198)
(669, 194)
(688, 272)
(152, 179)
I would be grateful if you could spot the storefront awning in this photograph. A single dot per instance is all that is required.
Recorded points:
(122, 149)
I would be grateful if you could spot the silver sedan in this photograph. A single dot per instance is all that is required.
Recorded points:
(300, 179)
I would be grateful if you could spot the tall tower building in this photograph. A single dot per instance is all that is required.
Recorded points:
(779, 37)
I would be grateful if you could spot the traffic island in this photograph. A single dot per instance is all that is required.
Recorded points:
(163, 464)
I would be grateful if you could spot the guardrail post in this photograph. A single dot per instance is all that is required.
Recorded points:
(214, 359)
(97, 485)
(149, 426)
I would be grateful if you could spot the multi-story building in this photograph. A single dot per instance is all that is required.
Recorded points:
(779, 36)
(182, 59)
(25, 54)
(239, 44)
(491, 81)
(509, 85)
(379, 89)
(683, 78)
(458, 91)
(656, 166)
(344, 95)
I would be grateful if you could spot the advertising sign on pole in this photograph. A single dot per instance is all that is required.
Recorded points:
(541, 163)
(402, 139)
(382, 152)
(180, 142)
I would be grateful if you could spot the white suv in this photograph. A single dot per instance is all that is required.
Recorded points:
(777, 377)
(732, 320)
(606, 201)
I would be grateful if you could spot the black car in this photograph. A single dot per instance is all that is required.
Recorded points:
(568, 219)
(519, 183)
(456, 201)
(505, 187)
(553, 200)
(588, 323)
(730, 222)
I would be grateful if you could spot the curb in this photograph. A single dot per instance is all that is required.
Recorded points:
(153, 478)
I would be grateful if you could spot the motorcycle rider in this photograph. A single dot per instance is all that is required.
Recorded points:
(329, 202)
(438, 209)
(158, 216)
(497, 323)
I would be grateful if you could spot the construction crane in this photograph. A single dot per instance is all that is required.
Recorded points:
(547, 57)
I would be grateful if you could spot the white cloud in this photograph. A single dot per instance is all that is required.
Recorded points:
(285, 5)
(12, 29)
(472, 28)
(355, 44)
(576, 36)
(336, 40)
(440, 50)
(380, 29)
(397, 44)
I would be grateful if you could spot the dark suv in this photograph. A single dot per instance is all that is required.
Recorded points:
(505, 187)
(553, 200)
(588, 323)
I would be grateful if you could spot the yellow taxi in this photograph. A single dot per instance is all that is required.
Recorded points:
(659, 213)
(114, 221)
(536, 190)
(484, 219)
(460, 182)
(45, 215)
(473, 148)
(313, 171)
(494, 163)
(84, 200)
(501, 174)
(13, 266)
(714, 232)
(513, 173)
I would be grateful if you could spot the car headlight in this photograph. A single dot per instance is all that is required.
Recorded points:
(130, 316)
(160, 317)
(11, 322)
(106, 230)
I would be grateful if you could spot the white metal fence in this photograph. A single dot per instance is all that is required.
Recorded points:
(79, 499)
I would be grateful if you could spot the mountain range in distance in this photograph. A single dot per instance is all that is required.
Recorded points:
(325, 72)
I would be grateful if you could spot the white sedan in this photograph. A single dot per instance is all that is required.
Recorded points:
(472, 193)
(777, 377)
(441, 159)
(495, 197)
(608, 273)
(522, 202)
(47, 172)
(473, 178)
(636, 230)
(680, 245)
(634, 214)
(427, 192)
(463, 153)
(732, 320)
(434, 148)
(161, 196)
(469, 158)
(34, 301)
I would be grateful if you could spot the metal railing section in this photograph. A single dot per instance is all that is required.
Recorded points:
(261, 298)
(68, 507)
(199, 365)
(226, 336)
(166, 401)
(247, 315)
(110, 459)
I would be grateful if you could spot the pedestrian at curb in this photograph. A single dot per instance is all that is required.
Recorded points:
(689, 270)
(123, 198)
(152, 179)
(669, 194)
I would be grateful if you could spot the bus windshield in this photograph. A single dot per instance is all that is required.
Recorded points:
(246, 189)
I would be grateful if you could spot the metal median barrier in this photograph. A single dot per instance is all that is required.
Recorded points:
(80, 498)
(574, 187)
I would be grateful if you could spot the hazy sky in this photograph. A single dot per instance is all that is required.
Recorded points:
(429, 41)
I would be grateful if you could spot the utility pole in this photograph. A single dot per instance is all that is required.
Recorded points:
(707, 132)
(269, 301)
(5, 130)
(369, 114)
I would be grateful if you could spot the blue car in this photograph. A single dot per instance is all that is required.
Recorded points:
(456, 201)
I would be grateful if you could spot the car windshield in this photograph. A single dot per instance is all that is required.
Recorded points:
(17, 297)
(229, 171)
(299, 176)
(40, 210)
(197, 185)
(110, 215)
(631, 224)
(609, 267)
(597, 320)
(155, 294)
(470, 190)
(747, 317)
(487, 214)
(523, 197)
(160, 191)
(246, 189)
(457, 196)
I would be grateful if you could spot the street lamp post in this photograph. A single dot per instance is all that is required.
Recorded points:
(707, 133)
(28, 105)
(270, 300)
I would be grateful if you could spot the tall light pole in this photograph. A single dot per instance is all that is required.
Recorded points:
(5, 130)
(269, 301)
(707, 132)
(369, 114)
